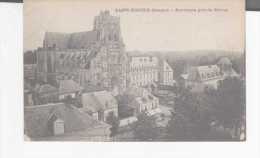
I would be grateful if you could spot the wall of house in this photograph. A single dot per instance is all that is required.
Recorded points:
(63, 96)
(58, 127)
(165, 73)
(150, 105)
(108, 111)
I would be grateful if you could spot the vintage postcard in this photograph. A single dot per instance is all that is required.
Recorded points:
(169, 70)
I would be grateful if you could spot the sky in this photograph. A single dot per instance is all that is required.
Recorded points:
(164, 30)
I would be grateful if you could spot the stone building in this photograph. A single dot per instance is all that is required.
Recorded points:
(94, 57)
(146, 69)
(145, 102)
(69, 89)
(46, 94)
(98, 58)
(200, 77)
(100, 105)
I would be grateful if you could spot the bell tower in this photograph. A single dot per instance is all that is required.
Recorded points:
(108, 28)
(109, 37)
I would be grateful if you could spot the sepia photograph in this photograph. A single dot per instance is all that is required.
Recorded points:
(122, 71)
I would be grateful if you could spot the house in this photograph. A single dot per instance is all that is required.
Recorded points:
(201, 77)
(69, 89)
(100, 105)
(145, 103)
(226, 68)
(46, 93)
(62, 122)
(166, 74)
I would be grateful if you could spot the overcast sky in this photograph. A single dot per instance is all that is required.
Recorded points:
(144, 31)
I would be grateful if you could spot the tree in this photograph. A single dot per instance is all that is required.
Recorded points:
(191, 120)
(230, 106)
(114, 122)
(145, 129)
(176, 129)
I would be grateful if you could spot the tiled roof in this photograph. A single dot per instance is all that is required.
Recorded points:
(70, 40)
(46, 88)
(68, 86)
(60, 40)
(82, 39)
(37, 118)
(96, 101)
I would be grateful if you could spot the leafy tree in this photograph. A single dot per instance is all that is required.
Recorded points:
(191, 120)
(230, 106)
(177, 129)
(114, 122)
(145, 129)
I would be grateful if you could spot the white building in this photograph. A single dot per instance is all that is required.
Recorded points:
(166, 74)
(147, 69)
(145, 102)
(200, 77)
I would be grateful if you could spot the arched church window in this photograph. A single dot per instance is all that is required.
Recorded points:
(110, 37)
(115, 37)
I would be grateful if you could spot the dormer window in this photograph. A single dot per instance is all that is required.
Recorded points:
(56, 125)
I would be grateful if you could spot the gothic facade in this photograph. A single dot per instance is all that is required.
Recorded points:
(95, 57)
(98, 58)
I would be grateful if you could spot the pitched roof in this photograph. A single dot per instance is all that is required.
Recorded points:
(68, 86)
(77, 40)
(60, 40)
(46, 88)
(82, 39)
(225, 61)
(37, 119)
(204, 72)
(99, 100)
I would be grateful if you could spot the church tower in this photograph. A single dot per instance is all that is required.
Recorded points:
(109, 37)
(108, 28)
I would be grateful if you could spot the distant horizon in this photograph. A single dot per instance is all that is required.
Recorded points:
(142, 31)
(166, 51)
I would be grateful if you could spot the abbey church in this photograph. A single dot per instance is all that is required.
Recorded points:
(95, 57)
